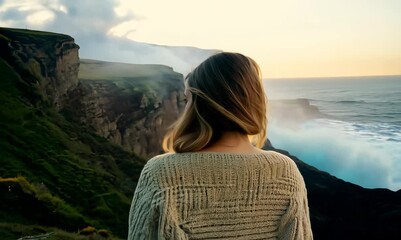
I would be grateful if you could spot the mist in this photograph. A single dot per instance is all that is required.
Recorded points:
(89, 22)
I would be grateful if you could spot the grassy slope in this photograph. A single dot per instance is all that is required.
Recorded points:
(87, 180)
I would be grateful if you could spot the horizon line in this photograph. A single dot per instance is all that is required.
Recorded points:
(331, 77)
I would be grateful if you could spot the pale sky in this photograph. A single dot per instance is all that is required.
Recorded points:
(288, 38)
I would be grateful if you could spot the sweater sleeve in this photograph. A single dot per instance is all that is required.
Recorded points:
(144, 215)
(295, 223)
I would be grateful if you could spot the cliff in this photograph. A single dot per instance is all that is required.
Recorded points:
(50, 59)
(294, 110)
(56, 175)
(130, 105)
(62, 157)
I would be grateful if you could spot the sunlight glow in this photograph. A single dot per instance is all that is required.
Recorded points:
(40, 17)
(288, 38)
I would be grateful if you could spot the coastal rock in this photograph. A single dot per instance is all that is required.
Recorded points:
(293, 112)
(51, 60)
(130, 105)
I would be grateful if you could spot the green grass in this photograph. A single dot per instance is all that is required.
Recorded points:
(15, 231)
(32, 36)
(58, 176)
(145, 84)
(66, 176)
(99, 70)
(151, 80)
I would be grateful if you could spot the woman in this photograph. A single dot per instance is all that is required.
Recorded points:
(216, 182)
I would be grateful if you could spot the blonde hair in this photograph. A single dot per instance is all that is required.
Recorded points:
(227, 95)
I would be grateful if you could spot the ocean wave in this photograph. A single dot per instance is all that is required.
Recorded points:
(357, 135)
(394, 102)
(365, 154)
(351, 101)
(375, 130)
(316, 100)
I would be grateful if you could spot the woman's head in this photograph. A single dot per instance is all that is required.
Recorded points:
(225, 93)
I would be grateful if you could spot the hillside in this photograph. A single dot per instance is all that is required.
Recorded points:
(56, 172)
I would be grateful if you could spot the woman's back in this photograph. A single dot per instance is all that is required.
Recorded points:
(216, 182)
(211, 195)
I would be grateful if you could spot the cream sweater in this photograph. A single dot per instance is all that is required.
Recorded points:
(207, 195)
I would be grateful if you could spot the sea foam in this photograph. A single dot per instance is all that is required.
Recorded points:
(337, 147)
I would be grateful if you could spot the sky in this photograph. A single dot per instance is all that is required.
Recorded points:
(288, 38)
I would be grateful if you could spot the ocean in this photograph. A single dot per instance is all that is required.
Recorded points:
(357, 136)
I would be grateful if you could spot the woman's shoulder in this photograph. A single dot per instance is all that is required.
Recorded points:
(158, 159)
(283, 160)
(280, 158)
(288, 168)
(166, 159)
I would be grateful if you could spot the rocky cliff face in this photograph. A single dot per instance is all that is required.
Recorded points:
(51, 59)
(130, 105)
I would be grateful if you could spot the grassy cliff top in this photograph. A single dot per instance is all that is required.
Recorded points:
(101, 70)
(30, 36)
(130, 78)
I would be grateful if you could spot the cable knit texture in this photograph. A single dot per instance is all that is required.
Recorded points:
(206, 195)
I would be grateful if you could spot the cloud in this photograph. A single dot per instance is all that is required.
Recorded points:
(34, 13)
(89, 22)
(39, 18)
(87, 17)
(12, 14)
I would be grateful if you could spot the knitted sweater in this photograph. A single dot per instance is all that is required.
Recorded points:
(206, 195)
